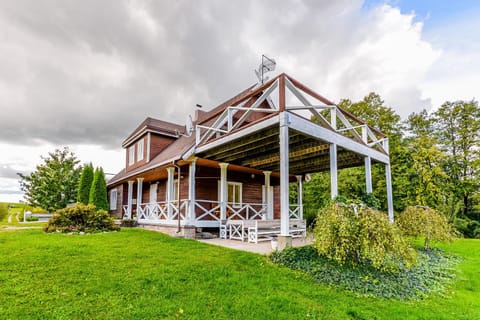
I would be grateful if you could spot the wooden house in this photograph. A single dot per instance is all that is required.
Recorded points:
(237, 161)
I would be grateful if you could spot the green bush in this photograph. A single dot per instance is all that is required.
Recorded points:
(31, 218)
(98, 191)
(466, 227)
(425, 222)
(360, 236)
(85, 184)
(80, 218)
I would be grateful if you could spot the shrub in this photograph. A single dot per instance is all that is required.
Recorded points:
(466, 227)
(425, 222)
(98, 191)
(31, 218)
(365, 237)
(85, 184)
(80, 218)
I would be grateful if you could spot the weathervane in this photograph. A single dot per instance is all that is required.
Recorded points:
(267, 65)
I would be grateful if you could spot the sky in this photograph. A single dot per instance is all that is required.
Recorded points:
(84, 74)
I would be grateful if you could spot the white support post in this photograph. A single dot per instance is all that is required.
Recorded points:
(223, 190)
(129, 199)
(170, 192)
(364, 134)
(139, 195)
(388, 177)
(229, 121)
(333, 171)
(191, 190)
(368, 174)
(333, 117)
(284, 176)
(269, 212)
(300, 197)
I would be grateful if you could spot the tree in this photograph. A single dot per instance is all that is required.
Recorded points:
(457, 127)
(54, 183)
(98, 191)
(425, 222)
(85, 184)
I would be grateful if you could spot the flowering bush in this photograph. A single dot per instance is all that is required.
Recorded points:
(80, 218)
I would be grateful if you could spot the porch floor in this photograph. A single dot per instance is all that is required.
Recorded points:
(263, 247)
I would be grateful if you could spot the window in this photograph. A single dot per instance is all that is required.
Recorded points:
(113, 199)
(140, 145)
(234, 193)
(131, 155)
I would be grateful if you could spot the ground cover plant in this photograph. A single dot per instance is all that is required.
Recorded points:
(139, 274)
(431, 274)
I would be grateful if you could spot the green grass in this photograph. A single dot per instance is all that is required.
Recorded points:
(137, 274)
(16, 210)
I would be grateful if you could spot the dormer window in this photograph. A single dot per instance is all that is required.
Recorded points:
(140, 145)
(131, 155)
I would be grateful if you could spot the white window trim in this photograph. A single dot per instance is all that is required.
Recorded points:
(236, 204)
(140, 149)
(113, 199)
(131, 155)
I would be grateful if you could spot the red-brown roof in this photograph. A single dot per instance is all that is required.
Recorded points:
(155, 125)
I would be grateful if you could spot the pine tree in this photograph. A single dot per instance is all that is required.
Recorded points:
(98, 191)
(85, 184)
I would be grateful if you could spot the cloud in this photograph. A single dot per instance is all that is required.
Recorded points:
(74, 73)
(9, 172)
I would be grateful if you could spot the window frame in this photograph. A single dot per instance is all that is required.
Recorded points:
(141, 149)
(113, 199)
(131, 155)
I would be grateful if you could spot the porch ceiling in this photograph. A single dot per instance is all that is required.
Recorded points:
(261, 150)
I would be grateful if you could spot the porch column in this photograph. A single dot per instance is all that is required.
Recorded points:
(388, 177)
(170, 192)
(139, 196)
(191, 191)
(129, 199)
(300, 196)
(333, 171)
(223, 190)
(368, 174)
(284, 178)
(269, 213)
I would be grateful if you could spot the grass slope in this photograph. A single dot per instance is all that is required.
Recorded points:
(137, 274)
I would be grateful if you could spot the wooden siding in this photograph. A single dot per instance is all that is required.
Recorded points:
(136, 163)
(158, 143)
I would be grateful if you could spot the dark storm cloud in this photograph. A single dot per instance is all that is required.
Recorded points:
(6, 171)
(77, 72)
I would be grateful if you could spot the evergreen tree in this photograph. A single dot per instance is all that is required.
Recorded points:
(98, 191)
(85, 184)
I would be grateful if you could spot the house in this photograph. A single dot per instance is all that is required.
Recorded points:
(236, 162)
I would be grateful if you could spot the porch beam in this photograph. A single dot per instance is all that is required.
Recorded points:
(191, 190)
(368, 175)
(139, 195)
(170, 191)
(300, 196)
(304, 126)
(267, 194)
(238, 134)
(388, 177)
(130, 199)
(223, 190)
(333, 171)
(284, 176)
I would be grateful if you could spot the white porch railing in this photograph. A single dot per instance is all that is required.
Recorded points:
(205, 211)
(295, 211)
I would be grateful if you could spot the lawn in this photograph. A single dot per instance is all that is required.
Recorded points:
(138, 274)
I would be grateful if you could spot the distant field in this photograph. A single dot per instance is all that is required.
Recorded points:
(16, 210)
(138, 274)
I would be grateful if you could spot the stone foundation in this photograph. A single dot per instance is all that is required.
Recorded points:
(185, 231)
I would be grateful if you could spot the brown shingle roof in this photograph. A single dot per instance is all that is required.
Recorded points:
(158, 126)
